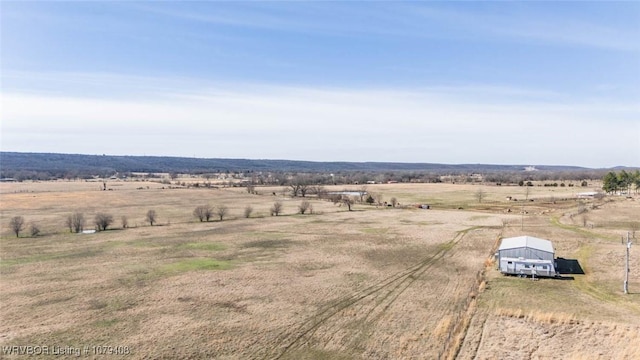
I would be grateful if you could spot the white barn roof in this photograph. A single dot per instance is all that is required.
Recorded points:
(526, 241)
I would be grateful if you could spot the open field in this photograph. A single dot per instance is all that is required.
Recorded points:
(373, 283)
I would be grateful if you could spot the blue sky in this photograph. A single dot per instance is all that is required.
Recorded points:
(451, 82)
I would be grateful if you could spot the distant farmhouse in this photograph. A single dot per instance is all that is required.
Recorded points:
(526, 256)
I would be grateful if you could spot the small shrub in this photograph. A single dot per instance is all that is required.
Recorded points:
(304, 206)
(276, 209)
(151, 216)
(75, 222)
(34, 230)
(103, 220)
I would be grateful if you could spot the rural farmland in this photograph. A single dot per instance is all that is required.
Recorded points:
(376, 282)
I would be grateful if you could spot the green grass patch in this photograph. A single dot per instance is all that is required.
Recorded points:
(584, 284)
(586, 233)
(268, 244)
(543, 295)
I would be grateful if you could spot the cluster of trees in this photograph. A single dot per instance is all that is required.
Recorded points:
(621, 181)
(76, 222)
(17, 224)
(206, 212)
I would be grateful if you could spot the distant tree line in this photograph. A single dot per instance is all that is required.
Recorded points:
(302, 183)
(39, 166)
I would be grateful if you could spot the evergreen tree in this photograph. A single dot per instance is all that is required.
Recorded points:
(610, 182)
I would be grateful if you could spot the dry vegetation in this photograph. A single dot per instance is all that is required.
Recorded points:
(373, 283)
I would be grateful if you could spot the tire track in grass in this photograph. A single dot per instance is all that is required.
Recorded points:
(376, 298)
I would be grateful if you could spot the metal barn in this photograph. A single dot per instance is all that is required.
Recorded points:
(526, 255)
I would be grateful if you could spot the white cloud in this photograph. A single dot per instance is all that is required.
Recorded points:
(465, 125)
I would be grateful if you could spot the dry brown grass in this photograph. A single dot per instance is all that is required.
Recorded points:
(539, 316)
(370, 283)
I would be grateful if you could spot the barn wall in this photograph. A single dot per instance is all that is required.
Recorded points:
(527, 253)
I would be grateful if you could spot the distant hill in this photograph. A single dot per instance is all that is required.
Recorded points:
(11, 162)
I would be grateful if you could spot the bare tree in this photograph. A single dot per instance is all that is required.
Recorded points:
(151, 216)
(377, 197)
(247, 211)
(295, 189)
(103, 220)
(17, 224)
(319, 191)
(75, 222)
(251, 189)
(34, 229)
(124, 221)
(304, 206)
(304, 189)
(222, 211)
(347, 200)
(69, 222)
(362, 191)
(276, 209)
(335, 198)
(480, 194)
(393, 201)
(299, 185)
(203, 212)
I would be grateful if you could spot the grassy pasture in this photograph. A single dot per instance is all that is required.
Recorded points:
(376, 282)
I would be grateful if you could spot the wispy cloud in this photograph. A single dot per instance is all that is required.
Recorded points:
(510, 22)
(525, 22)
(466, 124)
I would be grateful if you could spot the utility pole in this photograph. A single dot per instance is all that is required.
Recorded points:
(626, 266)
